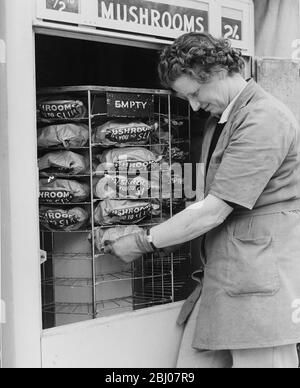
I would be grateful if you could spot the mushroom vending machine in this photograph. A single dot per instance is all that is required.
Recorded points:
(91, 149)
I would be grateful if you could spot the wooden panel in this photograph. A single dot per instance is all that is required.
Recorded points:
(281, 78)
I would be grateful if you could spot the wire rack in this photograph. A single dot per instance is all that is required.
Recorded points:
(101, 279)
(77, 279)
(116, 305)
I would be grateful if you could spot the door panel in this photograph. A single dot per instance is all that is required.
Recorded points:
(281, 78)
(148, 338)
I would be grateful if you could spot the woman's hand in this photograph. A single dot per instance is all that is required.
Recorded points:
(129, 248)
(133, 246)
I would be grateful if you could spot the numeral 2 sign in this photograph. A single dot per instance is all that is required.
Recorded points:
(63, 5)
(232, 29)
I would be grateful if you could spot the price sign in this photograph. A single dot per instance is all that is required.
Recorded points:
(71, 6)
(232, 29)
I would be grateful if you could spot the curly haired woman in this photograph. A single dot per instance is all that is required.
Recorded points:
(245, 313)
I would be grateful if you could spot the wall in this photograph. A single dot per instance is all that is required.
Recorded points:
(277, 27)
(281, 78)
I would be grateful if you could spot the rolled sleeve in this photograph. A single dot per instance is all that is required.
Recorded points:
(260, 142)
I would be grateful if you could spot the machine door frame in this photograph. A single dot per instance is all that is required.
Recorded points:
(20, 261)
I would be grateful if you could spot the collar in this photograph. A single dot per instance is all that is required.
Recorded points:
(225, 116)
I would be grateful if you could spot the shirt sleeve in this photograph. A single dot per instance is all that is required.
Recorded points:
(260, 142)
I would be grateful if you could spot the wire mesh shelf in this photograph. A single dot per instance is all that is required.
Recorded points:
(147, 224)
(134, 145)
(86, 309)
(80, 231)
(83, 309)
(62, 148)
(71, 256)
(162, 258)
(63, 175)
(54, 121)
(42, 203)
(101, 279)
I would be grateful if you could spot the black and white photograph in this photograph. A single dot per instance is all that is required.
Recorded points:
(150, 187)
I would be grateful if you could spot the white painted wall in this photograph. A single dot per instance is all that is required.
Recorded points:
(146, 339)
(19, 186)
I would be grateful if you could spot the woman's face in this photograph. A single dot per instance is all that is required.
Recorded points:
(212, 96)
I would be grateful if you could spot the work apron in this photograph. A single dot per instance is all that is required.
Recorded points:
(251, 288)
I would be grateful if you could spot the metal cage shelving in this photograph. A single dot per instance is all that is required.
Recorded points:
(77, 280)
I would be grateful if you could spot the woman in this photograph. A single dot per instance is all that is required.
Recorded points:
(248, 314)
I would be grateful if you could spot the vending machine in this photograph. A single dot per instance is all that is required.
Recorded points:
(79, 93)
